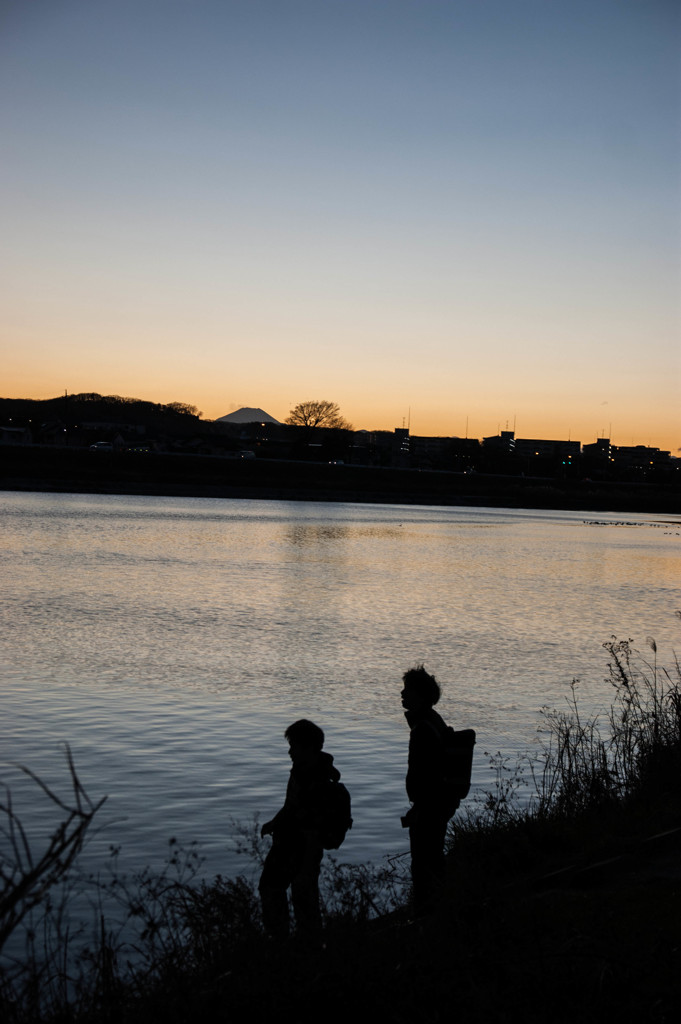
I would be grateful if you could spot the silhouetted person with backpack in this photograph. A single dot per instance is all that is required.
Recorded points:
(307, 823)
(434, 794)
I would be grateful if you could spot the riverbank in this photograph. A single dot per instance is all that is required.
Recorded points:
(510, 942)
(505, 951)
(565, 909)
(75, 470)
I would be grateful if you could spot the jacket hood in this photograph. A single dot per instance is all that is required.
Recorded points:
(329, 767)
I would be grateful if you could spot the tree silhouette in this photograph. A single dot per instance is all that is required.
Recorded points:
(26, 875)
(183, 409)
(317, 414)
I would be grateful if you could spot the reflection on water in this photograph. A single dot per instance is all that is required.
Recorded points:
(171, 641)
(309, 534)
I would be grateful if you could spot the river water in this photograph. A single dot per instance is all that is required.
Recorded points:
(171, 641)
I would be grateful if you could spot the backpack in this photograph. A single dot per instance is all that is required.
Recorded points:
(458, 762)
(336, 816)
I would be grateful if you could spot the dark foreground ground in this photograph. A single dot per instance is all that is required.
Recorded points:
(36, 468)
(597, 943)
(542, 921)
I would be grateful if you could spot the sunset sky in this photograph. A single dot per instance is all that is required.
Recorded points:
(457, 211)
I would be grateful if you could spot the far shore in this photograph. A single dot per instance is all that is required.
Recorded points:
(80, 471)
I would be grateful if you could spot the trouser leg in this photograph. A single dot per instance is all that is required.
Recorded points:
(305, 885)
(293, 861)
(427, 841)
(273, 885)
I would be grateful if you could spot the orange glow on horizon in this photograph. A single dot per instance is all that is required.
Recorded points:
(659, 430)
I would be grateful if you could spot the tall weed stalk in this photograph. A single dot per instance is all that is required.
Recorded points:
(588, 765)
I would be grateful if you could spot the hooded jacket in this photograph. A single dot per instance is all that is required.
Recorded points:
(306, 795)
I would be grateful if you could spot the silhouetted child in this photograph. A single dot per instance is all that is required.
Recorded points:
(296, 831)
(431, 797)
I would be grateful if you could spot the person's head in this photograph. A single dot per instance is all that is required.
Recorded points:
(304, 739)
(420, 691)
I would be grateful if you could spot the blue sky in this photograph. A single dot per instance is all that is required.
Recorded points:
(466, 210)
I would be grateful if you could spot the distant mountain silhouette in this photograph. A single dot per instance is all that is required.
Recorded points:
(246, 415)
